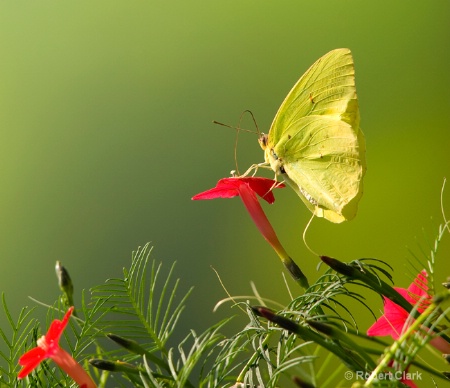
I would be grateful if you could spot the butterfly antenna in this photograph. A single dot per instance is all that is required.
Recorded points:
(258, 132)
(236, 141)
(239, 129)
(235, 128)
(304, 235)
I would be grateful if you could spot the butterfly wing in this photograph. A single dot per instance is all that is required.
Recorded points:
(316, 141)
(326, 89)
(323, 160)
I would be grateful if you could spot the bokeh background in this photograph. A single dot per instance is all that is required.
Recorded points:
(106, 133)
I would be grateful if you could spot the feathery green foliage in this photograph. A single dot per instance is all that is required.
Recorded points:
(123, 333)
(141, 309)
(143, 314)
(15, 339)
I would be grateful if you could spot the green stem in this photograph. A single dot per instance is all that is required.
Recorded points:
(250, 362)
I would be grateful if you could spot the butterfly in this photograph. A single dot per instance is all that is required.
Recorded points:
(315, 143)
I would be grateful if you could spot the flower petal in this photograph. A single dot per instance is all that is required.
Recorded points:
(57, 327)
(384, 327)
(395, 317)
(225, 188)
(391, 323)
(380, 328)
(419, 286)
(30, 360)
(417, 292)
(54, 331)
(412, 298)
(229, 187)
(36, 353)
(263, 187)
(216, 192)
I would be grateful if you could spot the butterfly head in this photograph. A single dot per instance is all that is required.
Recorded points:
(263, 141)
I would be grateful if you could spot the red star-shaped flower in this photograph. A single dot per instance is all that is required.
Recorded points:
(396, 319)
(48, 347)
(231, 187)
(248, 188)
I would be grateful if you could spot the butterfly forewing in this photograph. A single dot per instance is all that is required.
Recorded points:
(315, 140)
(327, 88)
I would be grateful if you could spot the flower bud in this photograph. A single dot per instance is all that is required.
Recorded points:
(65, 283)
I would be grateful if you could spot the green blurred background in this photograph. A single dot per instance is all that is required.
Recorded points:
(106, 113)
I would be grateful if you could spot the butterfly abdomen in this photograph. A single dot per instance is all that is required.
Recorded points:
(308, 196)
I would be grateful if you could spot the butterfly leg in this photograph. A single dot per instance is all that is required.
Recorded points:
(254, 168)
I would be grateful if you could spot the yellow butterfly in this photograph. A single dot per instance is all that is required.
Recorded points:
(315, 142)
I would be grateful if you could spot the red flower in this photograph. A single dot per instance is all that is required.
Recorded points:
(246, 187)
(230, 187)
(395, 319)
(48, 347)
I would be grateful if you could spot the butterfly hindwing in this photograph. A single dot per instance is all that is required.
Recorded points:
(322, 156)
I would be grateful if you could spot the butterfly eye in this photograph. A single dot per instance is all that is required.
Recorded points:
(263, 139)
